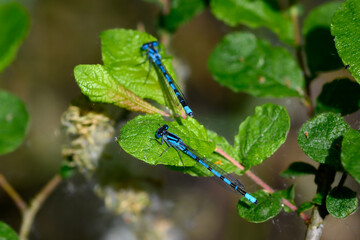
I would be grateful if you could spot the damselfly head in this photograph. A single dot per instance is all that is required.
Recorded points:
(148, 45)
(161, 130)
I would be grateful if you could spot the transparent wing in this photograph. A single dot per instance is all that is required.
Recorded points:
(230, 177)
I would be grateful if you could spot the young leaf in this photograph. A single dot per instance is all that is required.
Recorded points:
(304, 207)
(254, 14)
(298, 169)
(14, 120)
(339, 96)
(262, 134)
(14, 27)
(268, 207)
(350, 154)
(318, 199)
(181, 11)
(127, 66)
(244, 63)
(288, 194)
(320, 48)
(345, 28)
(96, 83)
(137, 138)
(6, 232)
(320, 138)
(341, 202)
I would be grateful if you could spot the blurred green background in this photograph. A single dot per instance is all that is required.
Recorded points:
(64, 34)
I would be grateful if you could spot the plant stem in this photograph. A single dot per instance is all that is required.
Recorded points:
(342, 180)
(314, 230)
(35, 204)
(259, 181)
(324, 178)
(19, 202)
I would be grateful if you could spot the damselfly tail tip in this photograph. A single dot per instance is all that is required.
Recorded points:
(250, 198)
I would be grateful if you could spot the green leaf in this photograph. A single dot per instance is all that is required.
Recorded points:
(14, 120)
(224, 145)
(13, 29)
(350, 154)
(262, 134)
(340, 96)
(304, 207)
(254, 14)
(181, 11)
(268, 207)
(345, 28)
(67, 171)
(214, 157)
(243, 63)
(6, 232)
(320, 138)
(124, 62)
(288, 194)
(137, 138)
(318, 199)
(96, 82)
(341, 202)
(319, 44)
(298, 169)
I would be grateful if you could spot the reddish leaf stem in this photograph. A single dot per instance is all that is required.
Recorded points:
(258, 181)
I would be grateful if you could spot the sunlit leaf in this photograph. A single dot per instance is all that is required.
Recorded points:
(262, 134)
(346, 29)
(341, 202)
(243, 63)
(320, 138)
(137, 138)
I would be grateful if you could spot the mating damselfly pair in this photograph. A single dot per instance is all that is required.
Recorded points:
(173, 140)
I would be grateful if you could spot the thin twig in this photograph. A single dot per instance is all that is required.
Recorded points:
(19, 202)
(342, 180)
(259, 181)
(35, 205)
(316, 226)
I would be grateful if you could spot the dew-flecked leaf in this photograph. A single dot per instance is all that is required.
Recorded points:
(14, 120)
(268, 207)
(14, 27)
(243, 63)
(320, 138)
(262, 134)
(345, 28)
(254, 14)
(350, 153)
(341, 202)
(137, 138)
(96, 83)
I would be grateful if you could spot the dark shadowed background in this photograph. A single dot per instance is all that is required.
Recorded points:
(64, 34)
